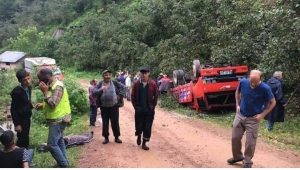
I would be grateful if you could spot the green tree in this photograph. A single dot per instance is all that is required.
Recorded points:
(33, 43)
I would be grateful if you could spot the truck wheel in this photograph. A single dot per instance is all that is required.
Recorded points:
(196, 68)
(187, 77)
(178, 77)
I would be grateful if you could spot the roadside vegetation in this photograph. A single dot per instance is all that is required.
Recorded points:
(39, 130)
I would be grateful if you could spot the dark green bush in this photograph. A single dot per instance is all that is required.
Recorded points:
(7, 82)
(77, 96)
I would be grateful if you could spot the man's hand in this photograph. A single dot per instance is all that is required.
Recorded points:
(284, 105)
(44, 87)
(18, 128)
(38, 106)
(238, 109)
(258, 117)
(104, 88)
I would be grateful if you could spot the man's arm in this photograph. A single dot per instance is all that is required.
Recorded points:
(25, 159)
(237, 98)
(272, 102)
(155, 97)
(279, 96)
(55, 98)
(122, 89)
(92, 99)
(15, 109)
(97, 90)
(269, 107)
(133, 95)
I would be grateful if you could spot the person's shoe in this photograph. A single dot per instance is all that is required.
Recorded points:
(139, 140)
(145, 147)
(247, 166)
(232, 161)
(105, 141)
(32, 164)
(117, 140)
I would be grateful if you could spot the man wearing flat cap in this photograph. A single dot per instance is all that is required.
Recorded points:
(144, 99)
(109, 93)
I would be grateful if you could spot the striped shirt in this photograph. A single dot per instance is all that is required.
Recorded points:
(109, 96)
(56, 96)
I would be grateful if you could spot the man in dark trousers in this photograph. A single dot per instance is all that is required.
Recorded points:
(21, 108)
(250, 95)
(277, 113)
(108, 93)
(144, 99)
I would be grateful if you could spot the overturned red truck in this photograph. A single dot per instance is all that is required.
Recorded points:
(208, 86)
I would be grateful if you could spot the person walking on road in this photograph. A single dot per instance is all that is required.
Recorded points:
(93, 103)
(108, 93)
(21, 108)
(128, 87)
(250, 96)
(57, 111)
(277, 113)
(144, 99)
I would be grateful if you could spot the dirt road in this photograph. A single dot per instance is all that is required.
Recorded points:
(176, 141)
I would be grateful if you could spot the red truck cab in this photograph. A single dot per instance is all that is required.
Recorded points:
(213, 85)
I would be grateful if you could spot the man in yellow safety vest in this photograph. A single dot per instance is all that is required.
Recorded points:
(57, 112)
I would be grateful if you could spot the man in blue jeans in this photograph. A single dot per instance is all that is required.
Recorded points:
(250, 96)
(57, 111)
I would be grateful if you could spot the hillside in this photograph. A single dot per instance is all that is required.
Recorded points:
(163, 34)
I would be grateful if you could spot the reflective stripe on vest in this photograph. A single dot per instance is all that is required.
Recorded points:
(63, 107)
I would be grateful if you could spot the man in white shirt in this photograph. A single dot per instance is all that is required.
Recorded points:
(128, 87)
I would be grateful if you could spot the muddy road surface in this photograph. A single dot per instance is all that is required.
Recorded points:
(176, 141)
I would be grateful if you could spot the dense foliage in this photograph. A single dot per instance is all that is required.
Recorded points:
(163, 34)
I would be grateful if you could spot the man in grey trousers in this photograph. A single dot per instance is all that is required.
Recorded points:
(251, 96)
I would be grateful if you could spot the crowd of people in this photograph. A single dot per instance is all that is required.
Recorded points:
(255, 100)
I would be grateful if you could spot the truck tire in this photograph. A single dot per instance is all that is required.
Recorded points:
(196, 68)
(178, 77)
(187, 78)
(181, 76)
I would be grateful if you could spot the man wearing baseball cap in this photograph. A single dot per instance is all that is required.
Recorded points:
(144, 99)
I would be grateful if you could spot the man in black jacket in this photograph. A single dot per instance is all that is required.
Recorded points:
(277, 113)
(21, 108)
